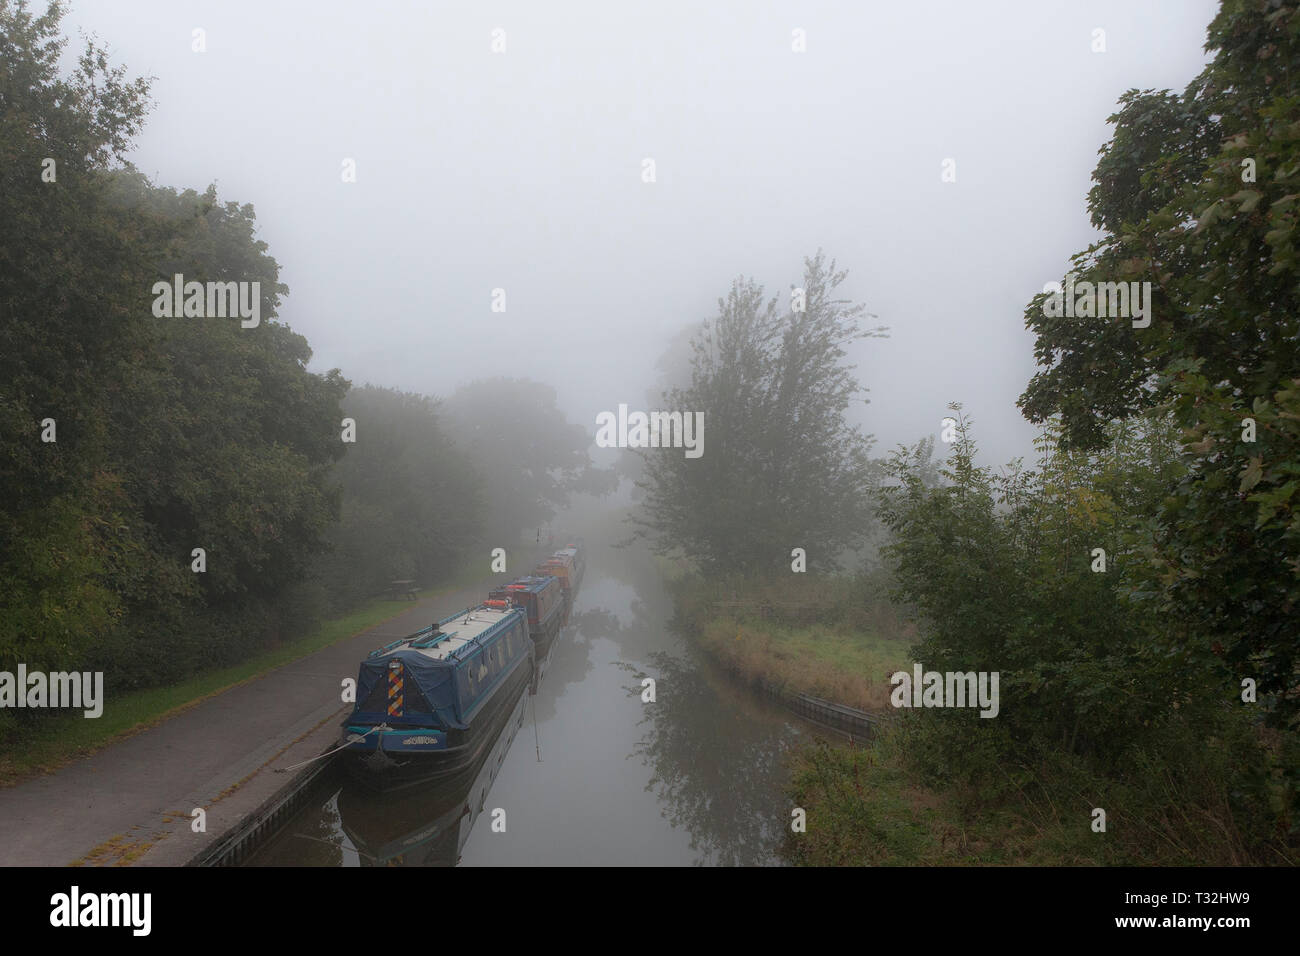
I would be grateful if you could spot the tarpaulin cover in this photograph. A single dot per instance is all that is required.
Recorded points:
(434, 679)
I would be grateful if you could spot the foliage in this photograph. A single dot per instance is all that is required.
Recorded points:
(411, 502)
(530, 457)
(171, 434)
(1000, 567)
(1003, 572)
(68, 333)
(781, 467)
(1180, 209)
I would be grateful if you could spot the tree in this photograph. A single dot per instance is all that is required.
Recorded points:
(1002, 568)
(412, 502)
(530, 456)
(69, 333)
(781, 467)
(172, 433)
(1197, 194)
(1004, 572)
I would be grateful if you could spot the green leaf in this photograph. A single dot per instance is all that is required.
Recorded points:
(1251, 475)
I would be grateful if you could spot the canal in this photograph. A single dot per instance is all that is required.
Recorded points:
(585, 772)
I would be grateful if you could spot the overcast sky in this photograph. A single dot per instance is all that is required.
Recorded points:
(523, 170)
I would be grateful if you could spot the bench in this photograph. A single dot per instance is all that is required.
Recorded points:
(402, 589)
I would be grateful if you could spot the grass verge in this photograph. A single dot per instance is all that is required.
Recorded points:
(864, 808)
(836, 638)
(876, 806)
(822, 660)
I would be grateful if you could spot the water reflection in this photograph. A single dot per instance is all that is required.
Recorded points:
(569, 663)
(718, 769)
(425, 826)
(429, 827)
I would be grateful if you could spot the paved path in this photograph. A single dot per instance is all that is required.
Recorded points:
(131, 802)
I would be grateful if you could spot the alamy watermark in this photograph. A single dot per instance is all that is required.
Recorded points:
(1100, 300)
(951, 689)
(651, 430)
(75, 909)
(59, 689)
(217, 300)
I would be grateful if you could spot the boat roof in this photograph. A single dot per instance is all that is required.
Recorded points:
(444, 640)
(530, 582)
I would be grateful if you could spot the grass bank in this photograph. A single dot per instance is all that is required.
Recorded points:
(873, 806)
(834, 638)
(865, 808)
(821, 660)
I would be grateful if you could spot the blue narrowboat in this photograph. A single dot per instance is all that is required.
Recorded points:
(428, 704)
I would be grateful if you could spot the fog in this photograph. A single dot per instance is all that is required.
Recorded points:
(522, 170)
(360, 492)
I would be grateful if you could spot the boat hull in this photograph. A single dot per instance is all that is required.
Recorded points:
(428, 825)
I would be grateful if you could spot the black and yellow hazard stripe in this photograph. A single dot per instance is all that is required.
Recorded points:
(395, 688)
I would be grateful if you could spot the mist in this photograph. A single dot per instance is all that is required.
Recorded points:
(522, 170)
(851, 435)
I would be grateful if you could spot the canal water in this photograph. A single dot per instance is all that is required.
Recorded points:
(585, 772)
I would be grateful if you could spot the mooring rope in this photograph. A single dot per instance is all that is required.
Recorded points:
(327, 753)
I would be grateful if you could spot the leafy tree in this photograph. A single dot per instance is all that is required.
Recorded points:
(224, 441)
(781, 467)
(1196, 193)
(1002, 568)
(530, 456)
(69, 331)
(172, 433)
(231, 438)
(411, 500)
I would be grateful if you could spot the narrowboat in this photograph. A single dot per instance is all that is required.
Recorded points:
(560, 568)
(541, 598)
(578, 562)
(429, 704)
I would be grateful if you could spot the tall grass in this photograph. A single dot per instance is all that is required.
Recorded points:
(884, 804)
(837, 638)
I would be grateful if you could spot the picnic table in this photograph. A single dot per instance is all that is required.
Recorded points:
(402, 589)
